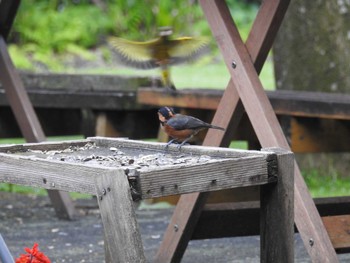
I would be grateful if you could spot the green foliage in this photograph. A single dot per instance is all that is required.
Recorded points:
(321, 184)
(46, 30)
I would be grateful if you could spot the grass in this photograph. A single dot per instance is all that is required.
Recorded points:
(322, 185)
(195, 75)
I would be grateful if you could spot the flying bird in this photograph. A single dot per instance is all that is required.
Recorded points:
(161, 52)
(181, 127)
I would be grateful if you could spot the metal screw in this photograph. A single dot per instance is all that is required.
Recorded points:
(176, 227)
(233, 64)
(311, 242)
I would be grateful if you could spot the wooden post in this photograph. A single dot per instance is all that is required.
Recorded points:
(277, 212)
(122, 235)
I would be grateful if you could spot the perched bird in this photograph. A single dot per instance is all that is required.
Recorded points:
(181, 127)
(159, 53)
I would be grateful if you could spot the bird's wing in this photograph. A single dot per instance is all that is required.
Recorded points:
(185, 49)
(134, 54)
(181, 122)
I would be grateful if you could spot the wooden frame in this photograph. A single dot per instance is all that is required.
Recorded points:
(244, 62)
(55, 166)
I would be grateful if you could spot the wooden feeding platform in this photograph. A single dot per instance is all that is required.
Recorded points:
(119, 171)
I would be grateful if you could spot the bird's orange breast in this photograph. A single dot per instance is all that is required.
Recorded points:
(178, 134)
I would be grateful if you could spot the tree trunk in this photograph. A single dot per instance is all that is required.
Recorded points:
(312, 50)
(312, 53)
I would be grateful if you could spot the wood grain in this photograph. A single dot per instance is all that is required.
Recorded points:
(119, 219)
(48, 174)
(211, 176)
(277, 213)
(265, 123)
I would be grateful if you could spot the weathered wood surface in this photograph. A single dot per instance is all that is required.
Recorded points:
(71, 91)
(245, 217)
(189, 207)
(74, 166)
(277, 213)
(338, 228)
(119, 219)
(35, 165)
(291, 103)
(206, 177)
(314, 135)
(192, 150)
(265, 123)
(48, 174)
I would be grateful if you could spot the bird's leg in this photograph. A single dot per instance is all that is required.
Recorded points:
(184, 142)
(166, 80)
(170, 142)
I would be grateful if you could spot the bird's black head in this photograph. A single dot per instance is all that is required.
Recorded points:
(165, 113)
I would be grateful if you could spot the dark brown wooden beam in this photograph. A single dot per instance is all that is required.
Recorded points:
(28, 122)
(8, 10)
(242, 218)
(228, 115)
(291, 103)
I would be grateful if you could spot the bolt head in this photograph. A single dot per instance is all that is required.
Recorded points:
(233, 64)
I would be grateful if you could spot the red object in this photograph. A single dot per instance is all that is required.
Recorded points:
(33, 256)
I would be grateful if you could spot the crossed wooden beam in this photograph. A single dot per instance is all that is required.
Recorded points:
(245, 92)
(21, 106)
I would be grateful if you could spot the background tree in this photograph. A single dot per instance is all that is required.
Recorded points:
(312, 53)
(312, 50)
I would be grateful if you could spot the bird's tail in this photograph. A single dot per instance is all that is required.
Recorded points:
(217, 127)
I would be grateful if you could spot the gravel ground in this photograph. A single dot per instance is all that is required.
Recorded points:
(28, 219)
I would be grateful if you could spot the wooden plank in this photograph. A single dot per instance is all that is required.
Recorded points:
(311, 104)
(72, 91)
(189, 207)
(277, 213)
(42, 146)
(338, 228)
(8, 10)
(244, 216)
(291, 103)
(313, 135)
(187, 98)
(119, 219)
(211, 176)
(48, 174)
(266, 125)
(172, 149)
